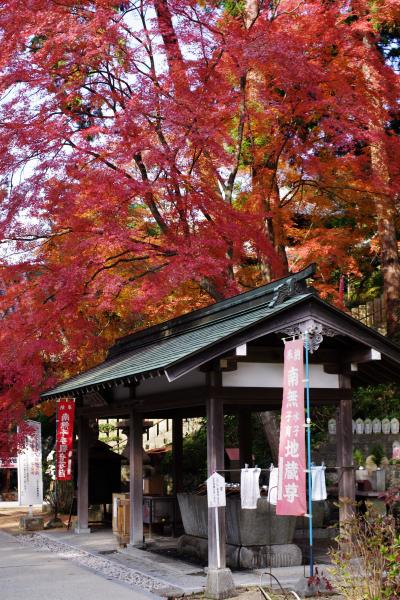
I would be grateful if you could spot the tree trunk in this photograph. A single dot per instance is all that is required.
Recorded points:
(384, 203)
(174, 55)
(270, 425)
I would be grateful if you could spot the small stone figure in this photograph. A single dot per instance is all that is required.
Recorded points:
(385, 462)
(368, 426)
(376, 426)
(359, 426)
(332, 426)
(394, 426)
(396, 451)
(385, 426)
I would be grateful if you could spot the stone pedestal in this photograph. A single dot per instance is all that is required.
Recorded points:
(219, 584)
(81, 530)
(31, 523)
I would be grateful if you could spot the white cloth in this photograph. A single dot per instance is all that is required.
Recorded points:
(318, 483)
(249, 487)
(273, 486)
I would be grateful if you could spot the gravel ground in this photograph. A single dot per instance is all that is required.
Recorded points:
(100, 565)
(112, 570)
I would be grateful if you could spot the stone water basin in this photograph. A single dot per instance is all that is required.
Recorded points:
(255, 538)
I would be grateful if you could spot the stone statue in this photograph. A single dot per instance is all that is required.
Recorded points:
(385, 426)
(332, 426)
(359, 426)
(396, 451)
(394, 426)
(368, 426)
(385, 462)
(376, 426)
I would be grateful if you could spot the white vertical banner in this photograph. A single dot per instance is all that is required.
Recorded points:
(30, 480)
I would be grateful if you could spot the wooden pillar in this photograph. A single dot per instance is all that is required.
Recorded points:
(245, 438)
(219, 579)
(136, 478)
(177, 453)
(345, 453)
(83, 475)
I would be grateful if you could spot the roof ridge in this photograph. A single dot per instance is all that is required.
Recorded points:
(155, 332)
(247, 310)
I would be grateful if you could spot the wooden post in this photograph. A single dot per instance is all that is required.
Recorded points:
(215, 461)
(219, 579)
(83, 475)
(245, 438)
(136, 478)
(345, 454)
(177, 452)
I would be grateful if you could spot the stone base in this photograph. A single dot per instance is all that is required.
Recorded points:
(219, 584)
(31, 523)
(81, 530)
(139, 545)
(54, 524)
(277, 555)
(244, 557)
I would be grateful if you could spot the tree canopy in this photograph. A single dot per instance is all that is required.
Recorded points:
(161, 154)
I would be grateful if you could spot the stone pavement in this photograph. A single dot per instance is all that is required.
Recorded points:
(173, 576)
(26, 573)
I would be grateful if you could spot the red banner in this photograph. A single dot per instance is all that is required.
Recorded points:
(292, 445)
(65, 438)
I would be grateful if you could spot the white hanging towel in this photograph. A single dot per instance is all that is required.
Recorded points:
(273, 486)
(249, 487)
(318, 483)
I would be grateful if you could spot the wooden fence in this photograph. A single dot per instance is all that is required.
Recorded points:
(373, 314)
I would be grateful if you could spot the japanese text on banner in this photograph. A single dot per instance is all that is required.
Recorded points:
(64, 439)
(292, 451)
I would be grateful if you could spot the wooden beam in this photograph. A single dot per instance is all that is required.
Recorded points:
(136, 478)
(268, 396)
(83, 475)
(104, 412)
(215, 461)
(274, 355)
(362, 356)
(173, 399)
(177, 454)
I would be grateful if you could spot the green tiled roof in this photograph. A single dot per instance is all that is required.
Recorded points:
(153, 350)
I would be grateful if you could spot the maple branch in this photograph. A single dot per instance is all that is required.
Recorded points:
(125, 260)
(32, 237)
(142, 168)
(149, 196)
(151, 270)
(289, 12)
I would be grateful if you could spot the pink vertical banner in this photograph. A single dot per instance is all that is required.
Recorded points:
(292, 443)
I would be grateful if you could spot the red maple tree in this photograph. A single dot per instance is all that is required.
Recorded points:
(169, 149)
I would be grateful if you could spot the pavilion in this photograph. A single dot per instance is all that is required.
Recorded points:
(227, 358)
